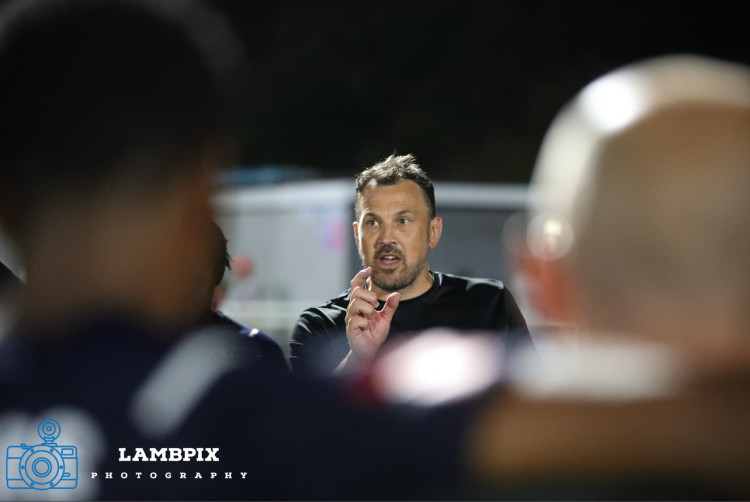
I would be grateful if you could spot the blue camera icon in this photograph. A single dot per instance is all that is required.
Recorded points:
(43, 466)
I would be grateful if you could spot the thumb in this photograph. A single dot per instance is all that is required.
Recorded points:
(391, 303)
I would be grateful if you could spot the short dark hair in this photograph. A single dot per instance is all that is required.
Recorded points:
(89, 85)
(392, 170)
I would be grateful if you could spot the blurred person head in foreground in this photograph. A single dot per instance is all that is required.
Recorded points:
(639, 239)
(640, 210)
(108, 146)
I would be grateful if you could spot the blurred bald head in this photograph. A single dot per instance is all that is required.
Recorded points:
(642, 195)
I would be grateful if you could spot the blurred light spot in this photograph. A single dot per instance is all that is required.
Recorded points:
(439, 366)
(613, 102)
(549, 237)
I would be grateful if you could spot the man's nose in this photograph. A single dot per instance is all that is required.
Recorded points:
(387, 234)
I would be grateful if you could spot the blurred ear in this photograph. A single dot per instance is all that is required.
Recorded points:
(436, 229)
(550, 288)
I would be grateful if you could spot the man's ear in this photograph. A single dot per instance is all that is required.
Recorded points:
(436, 229)
(355, 227)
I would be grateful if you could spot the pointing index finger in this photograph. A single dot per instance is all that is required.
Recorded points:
(360, 280)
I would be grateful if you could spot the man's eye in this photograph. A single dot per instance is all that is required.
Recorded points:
(403, 221)
(371, 223)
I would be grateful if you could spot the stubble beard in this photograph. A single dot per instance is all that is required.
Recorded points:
(391, 280)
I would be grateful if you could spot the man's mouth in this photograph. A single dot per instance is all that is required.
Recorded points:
(389, 260)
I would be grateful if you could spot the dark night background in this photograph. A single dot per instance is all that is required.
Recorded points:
(469, 87)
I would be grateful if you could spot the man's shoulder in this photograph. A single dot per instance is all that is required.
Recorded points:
(481, 298)
(334, 307)
(472, 285)
(134, 347)
(327, 318)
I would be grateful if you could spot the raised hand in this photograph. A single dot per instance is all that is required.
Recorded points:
(366, 327)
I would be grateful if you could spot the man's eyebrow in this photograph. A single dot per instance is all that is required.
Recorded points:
(370, 214)
(404, 211)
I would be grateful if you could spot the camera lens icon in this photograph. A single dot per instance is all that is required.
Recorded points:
(42, 467)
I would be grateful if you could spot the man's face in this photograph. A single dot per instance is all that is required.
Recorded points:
(394, 233)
